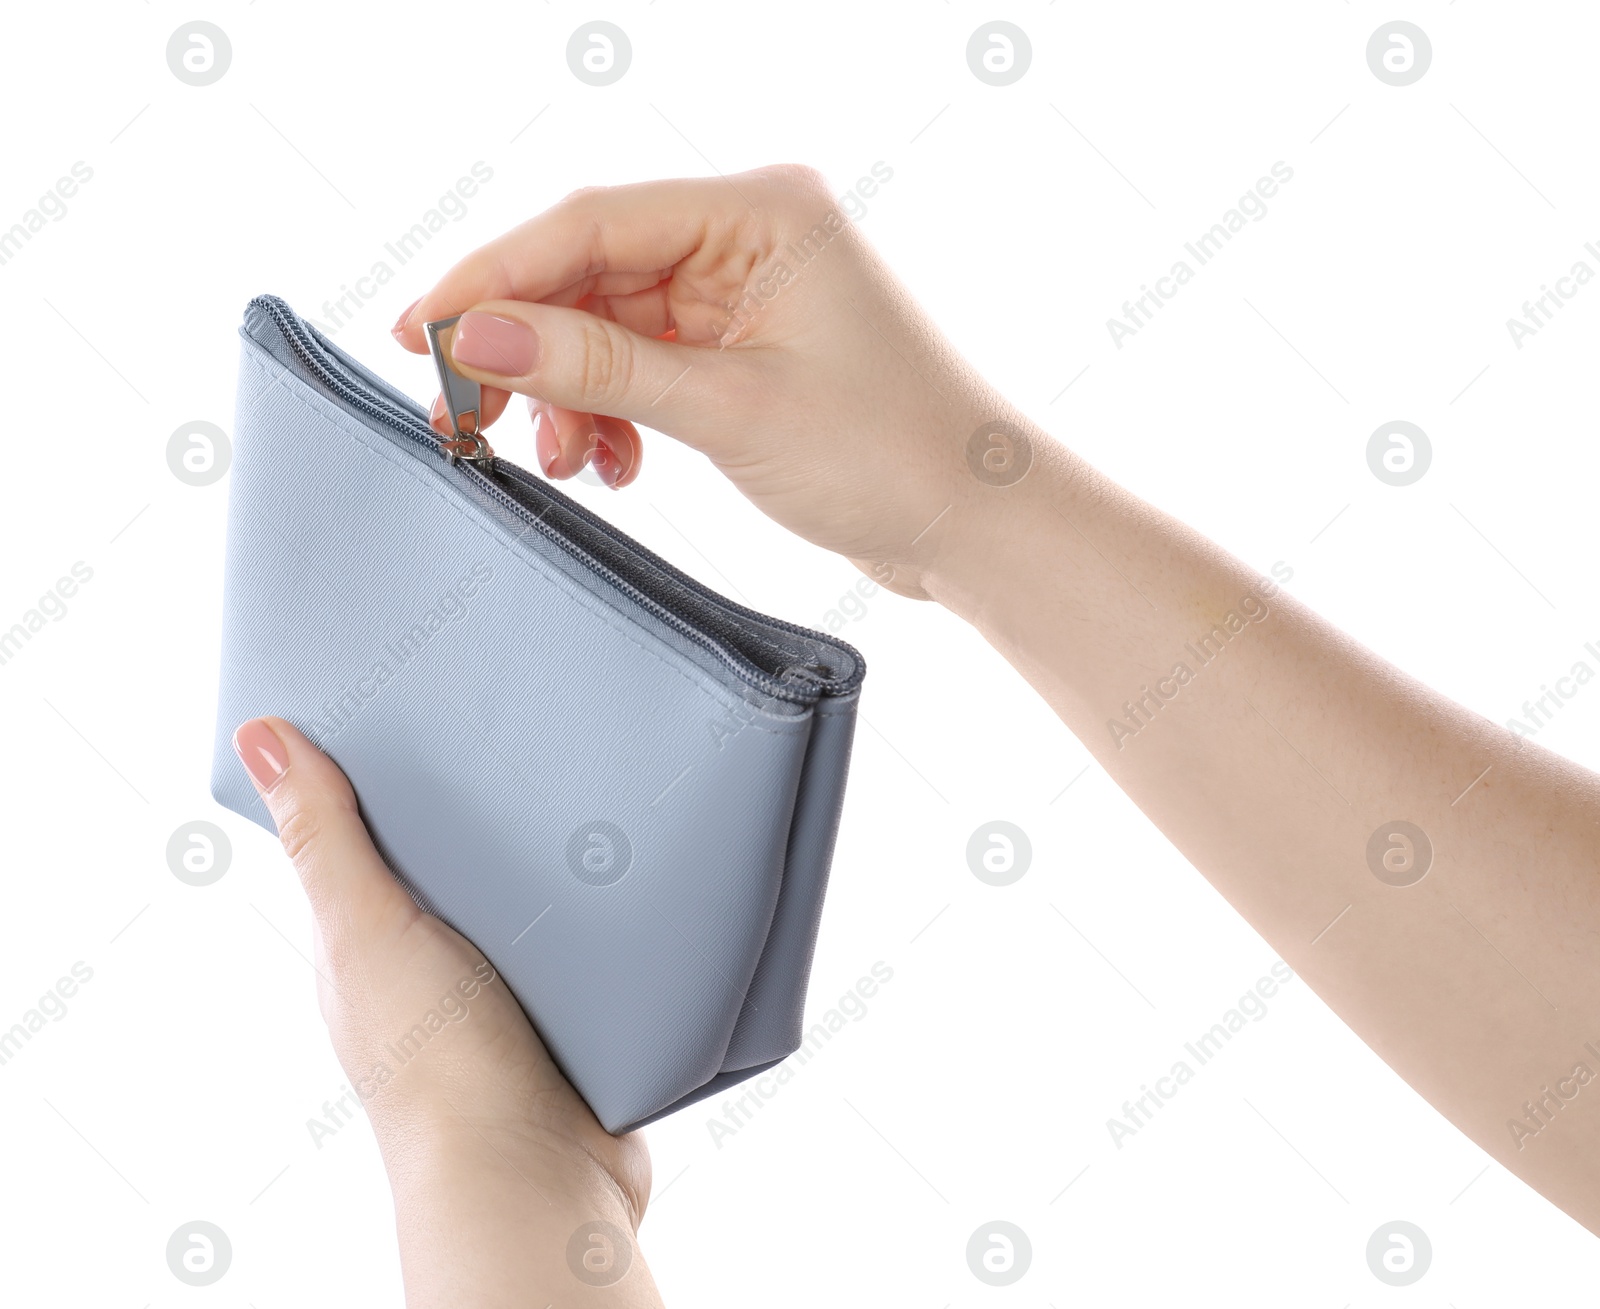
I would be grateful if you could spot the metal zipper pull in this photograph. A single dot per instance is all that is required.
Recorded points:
(463, 398)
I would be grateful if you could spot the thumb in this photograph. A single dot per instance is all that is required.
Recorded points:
(353, 894)
(573, 359)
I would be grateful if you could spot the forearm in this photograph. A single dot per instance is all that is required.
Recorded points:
(488, 1219)
(1270, 748)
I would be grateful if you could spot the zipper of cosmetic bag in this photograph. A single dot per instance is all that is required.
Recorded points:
(463, 400)
(354, 392)
(516, 473)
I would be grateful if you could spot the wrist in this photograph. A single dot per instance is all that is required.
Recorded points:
(456, 1157)
(488, 1219)
(1008, 512)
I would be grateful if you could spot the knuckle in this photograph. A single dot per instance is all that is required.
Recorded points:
(800, 181)
(605, 363)
(581, 194)
(300, 833)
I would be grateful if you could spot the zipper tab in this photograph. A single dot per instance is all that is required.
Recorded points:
(463, 398)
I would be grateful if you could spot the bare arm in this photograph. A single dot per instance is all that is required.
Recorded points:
(1281, 758)
(746, 319)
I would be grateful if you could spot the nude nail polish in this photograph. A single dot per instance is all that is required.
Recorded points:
(607, 467)
(261, 752)
(496, 345)
(405, 317)
(546, 444)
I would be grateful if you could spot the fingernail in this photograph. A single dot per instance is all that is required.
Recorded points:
(495, 344)
(405, 317)
(437, 412)
(262, 753)
(608, 468)
(546, 445)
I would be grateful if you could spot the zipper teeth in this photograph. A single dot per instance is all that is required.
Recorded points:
(412, 427)
(516, 473)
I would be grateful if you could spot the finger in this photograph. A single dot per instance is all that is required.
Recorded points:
(641, 228)
(578, 361)
(562, 438)
(618, 451)
(603, 285)
(647, 312)
(490, 407)
(351, 889)
(566, 440)
(617, 283)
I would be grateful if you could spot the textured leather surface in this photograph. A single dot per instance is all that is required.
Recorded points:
(501, 712)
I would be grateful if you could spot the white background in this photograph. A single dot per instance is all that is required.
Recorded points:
(978, 1085)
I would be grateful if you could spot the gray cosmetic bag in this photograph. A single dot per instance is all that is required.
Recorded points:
(621, 787)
